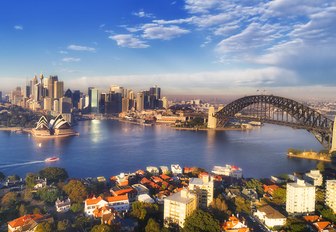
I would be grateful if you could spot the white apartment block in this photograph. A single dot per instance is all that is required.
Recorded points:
(204, 187)
(179, 206)
(300, 197)
(314, 177)
(330, 198)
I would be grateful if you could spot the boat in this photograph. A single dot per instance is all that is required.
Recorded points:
(51, 159)
(228, 170)
(40, 144)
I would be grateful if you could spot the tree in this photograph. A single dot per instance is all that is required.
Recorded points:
(295, 225)
(201, 221)
(256, 185)
(54, 174)
(13, 178)
(242, 205)
(328, 214)
(44, 227)
(2, 176)
(101, 228)
(48, 195)
(152, 226)
(219, 207)
(9, 199)
(142, 210)
(76, 207)
(279, 196)
(76, 191)
(22, 210)
(30, 180)
(63, 225)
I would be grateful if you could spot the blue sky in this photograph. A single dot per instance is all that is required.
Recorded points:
(186, 46)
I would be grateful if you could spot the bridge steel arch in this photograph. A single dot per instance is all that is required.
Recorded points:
(305, 117)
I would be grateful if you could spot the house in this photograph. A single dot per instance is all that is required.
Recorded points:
(317, 223)
(314, 177)
(62, 206)
(40, 183)
(106, 214)
(145, 198)
(140, 189)
(234, 225)
(176, 169)
(119, 203)
(91, 204)
(27, 223)
(269, 189)
(124, 190)
(164, 169)
(270, 216)
(152, 170)
(250, 194)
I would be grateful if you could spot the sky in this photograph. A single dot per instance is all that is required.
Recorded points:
(205, 47)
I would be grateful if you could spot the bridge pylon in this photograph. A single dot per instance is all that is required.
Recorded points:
(333, 141)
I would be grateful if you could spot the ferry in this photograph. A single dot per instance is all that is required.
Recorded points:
(228, 170)
(51, 159)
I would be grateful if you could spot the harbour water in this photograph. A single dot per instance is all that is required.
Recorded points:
(108, 147)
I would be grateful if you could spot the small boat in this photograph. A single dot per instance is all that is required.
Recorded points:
(40, 144)
(51, 159)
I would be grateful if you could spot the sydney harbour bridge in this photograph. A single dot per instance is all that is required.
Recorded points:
(281, 111)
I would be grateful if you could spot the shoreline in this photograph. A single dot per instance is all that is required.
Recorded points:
(302, 156)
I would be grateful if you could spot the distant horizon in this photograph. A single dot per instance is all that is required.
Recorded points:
(190, 46)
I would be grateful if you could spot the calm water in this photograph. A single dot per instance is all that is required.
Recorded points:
(110, 147)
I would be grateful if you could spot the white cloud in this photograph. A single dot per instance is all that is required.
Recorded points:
(74, 47)
(143, 14)
(71, 59)
(18, 27)
(63, 52)
(153, 31)
(128, 40)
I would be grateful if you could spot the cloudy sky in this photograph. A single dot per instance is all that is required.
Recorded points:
(185, 46)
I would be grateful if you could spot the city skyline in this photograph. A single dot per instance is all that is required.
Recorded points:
(192, 47)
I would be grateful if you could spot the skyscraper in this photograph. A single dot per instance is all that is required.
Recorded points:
(93, 100)
(33, 87)
(58, 89)
(0, 96)
(50, 81)
(330, 197)
(140, 101)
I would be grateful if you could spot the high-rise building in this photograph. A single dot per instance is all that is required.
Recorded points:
(314, 177)
(93, 100)
(65, 105)
(26, 91)
(42, 92)
(58, 89)
(33, 87)
(56, 106)
(0, 96)
(179, 206)
(154, 97)
(36, 92)
(75, 98)
(330, 197)
(300, 197)
(125, 104)
(140, 101)
(50, 82)
(47, 104)
(113, 104)
(204, 188)
(165, 103)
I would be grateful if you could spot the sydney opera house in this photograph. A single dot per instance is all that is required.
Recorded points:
(57, 127)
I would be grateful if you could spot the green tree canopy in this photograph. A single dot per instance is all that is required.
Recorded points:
(142, 210)
(256, 185)
(201, 221)
(242, 205)
(101, 228)
(44, 227)
(279, 196)
(49, 195)
(30, 180)
(54, 174)
(63, 225)
(152, 226)
(76, 191)
(219, 207)
(9, 199)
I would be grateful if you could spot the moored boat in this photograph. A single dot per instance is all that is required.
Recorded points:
(228, 170)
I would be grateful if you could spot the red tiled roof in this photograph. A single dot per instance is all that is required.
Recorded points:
(156, 179)
(312, 218)
(164, 177)
(123, 191)
(93, 201)
(144, 181)
(21, 221)
(321, 225)
(117, 198)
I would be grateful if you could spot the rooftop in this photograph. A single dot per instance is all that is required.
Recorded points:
(184, 196)
(271, 212)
